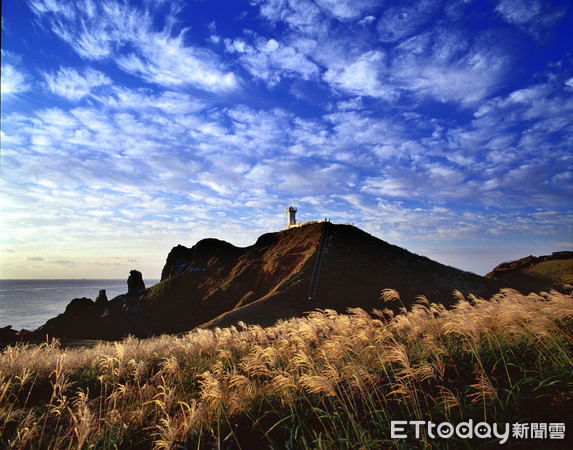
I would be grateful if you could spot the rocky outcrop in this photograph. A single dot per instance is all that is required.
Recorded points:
(103, 319)
(9, 336)
(198, 258)
(135, 284)
(101, 299)
(79, 305)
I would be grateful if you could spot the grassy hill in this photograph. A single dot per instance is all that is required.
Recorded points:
(217, 284)
(536, 273)
(356, 267)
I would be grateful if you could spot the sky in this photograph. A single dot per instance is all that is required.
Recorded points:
(129, 127)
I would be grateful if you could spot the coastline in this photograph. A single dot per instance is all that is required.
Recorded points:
(29, 303)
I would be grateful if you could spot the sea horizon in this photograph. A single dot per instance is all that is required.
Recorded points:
(27, 303)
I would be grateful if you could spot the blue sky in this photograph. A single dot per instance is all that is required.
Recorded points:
(444, 127)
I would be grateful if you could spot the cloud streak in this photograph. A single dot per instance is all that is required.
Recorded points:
(125, 34)
(73, 85)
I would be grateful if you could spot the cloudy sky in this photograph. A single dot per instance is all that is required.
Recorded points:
(128, 127)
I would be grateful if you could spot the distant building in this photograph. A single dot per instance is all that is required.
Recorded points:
(291, 217)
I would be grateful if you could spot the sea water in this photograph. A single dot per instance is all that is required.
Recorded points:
(30, 303)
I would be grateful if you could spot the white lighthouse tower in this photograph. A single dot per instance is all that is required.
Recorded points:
(291, 221)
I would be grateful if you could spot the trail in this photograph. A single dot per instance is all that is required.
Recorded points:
(318, 261)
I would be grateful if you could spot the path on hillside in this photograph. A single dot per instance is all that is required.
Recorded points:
(318, 261)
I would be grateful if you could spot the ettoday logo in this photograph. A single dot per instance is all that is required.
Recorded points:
(480, 430)
(445, 430)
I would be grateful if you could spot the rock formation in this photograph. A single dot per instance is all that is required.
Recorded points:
(135, 284)
(103, 319)
(101, 299)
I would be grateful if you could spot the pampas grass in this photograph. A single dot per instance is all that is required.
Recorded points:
(325, 380)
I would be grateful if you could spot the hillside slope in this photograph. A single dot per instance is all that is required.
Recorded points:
(355, 268)
(536, 273)
(214, 277)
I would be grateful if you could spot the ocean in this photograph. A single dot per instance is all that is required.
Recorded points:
(30, 303)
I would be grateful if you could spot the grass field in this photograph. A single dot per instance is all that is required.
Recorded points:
(328, 380)
(558, 271)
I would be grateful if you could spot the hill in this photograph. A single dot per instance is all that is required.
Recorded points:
(355, 268)
(282, 275)
(536, 273)
(214, 277)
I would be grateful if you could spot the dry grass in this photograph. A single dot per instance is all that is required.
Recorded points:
(326, 380)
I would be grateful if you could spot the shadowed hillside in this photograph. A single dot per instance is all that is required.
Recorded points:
(356, 267)
(213, 277)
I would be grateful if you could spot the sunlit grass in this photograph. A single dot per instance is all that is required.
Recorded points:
(326, 380)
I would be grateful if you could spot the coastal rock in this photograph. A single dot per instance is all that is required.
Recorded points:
(77, 321)
(102, 319)
(101, 299)
(8, 336)
(135, 284)
(79, 304)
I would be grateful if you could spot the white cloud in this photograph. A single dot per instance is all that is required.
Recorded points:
(14, 79)
(519, 12)
(363, 76)
(73, 85)
(442, 65)
(347, 9)
(270, 61)
(350, 104)
(399, 22)
(13, 82)
(533, 16)
(301, 15)
(125, 34)
(516, 140)
(166, 61)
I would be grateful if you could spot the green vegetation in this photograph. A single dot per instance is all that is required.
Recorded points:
(328, 380)
(558, 271)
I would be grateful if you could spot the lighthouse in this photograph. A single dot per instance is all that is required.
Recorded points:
(291, 217)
